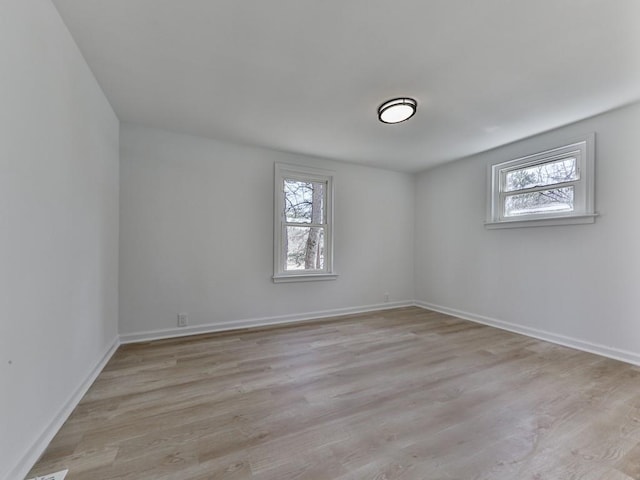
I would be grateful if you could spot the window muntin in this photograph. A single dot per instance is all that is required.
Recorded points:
(303, 224)
(554, 185)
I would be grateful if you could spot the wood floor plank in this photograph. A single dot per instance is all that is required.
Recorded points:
(398, 394)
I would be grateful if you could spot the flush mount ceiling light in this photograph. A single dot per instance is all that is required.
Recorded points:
(397, 110)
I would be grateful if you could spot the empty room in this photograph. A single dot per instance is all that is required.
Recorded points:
(297, 239)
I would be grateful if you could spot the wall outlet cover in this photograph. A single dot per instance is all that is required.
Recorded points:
(53, 476)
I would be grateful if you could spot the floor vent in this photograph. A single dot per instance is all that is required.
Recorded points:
(53, 476)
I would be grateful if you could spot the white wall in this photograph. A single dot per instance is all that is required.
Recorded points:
(580, 281)
(58, 228)
(197, 234)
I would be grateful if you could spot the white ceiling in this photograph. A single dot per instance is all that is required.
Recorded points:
(307, 76)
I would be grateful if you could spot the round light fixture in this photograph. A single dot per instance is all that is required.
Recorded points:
(397, 110)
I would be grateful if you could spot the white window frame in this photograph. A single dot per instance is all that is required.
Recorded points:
(287, 171)
(583, 149)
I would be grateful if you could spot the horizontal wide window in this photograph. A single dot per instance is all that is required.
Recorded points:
(555, 186)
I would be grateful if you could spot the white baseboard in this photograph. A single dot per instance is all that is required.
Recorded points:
(598, 349)
(256, 322)
(37, 449)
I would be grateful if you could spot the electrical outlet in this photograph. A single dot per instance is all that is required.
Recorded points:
(386, 297)
(183, 320)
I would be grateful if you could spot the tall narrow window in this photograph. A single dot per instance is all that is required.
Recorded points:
(303, 241)
(552, 187)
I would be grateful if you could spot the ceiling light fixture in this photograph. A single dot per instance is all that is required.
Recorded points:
(397, 110)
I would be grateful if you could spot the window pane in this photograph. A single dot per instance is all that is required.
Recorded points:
(546, 201)
(550, 173)
(304, 248)
(303, 201)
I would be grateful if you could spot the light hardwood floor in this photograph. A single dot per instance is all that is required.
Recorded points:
(399, 394)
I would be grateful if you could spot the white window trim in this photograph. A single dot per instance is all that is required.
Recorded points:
(282, 171)
(584, 187)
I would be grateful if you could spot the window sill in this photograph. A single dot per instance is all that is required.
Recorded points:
(543, 222)
(306, 277)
